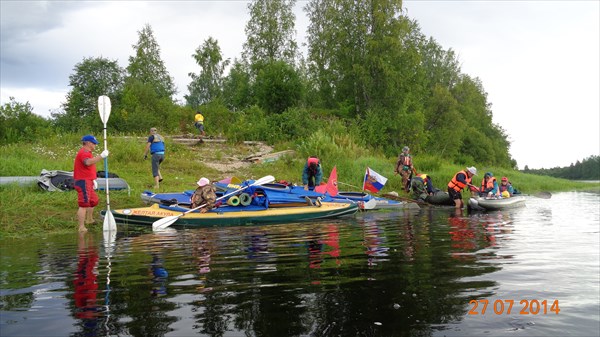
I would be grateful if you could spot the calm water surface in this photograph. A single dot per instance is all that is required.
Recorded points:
(423, 273)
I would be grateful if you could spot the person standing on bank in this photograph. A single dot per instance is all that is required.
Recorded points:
(312, 174)
(460, 180)
(84, 174)
(156, 146)
(404, 167)
(199, 124)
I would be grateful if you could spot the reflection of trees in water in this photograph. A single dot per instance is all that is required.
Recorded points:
(404, 270)
(416, 282)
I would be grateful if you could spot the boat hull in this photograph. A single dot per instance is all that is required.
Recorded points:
(496, 204)
(440, 198)
(233, 216)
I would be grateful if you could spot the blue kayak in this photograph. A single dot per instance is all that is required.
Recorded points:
(280, 195)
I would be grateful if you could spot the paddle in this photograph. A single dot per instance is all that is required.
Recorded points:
(541, 195)
(104, 109)
(168, 221)
(369, 204)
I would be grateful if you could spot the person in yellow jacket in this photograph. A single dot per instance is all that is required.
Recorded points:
(199, 124)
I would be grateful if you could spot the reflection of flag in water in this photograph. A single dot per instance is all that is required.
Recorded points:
(373, 181)
(331, 187)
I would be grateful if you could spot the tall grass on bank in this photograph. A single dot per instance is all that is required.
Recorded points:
(32, 211)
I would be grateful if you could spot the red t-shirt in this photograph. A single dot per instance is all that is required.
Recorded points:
(80, 170)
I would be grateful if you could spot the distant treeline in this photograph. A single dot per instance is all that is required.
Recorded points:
(588, 169)
(369, 77)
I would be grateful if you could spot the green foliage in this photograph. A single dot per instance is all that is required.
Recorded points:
(147, 67)
(237, 89)
(208, 84)
(93, 77)
(587, 169)
(19, 123)
(270, 32)
(277, 87)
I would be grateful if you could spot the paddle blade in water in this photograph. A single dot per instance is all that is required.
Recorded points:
(165, 222)
(109, 222)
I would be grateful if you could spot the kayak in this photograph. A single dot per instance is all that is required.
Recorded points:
(493, 204)
(232, 216)
(280, 195)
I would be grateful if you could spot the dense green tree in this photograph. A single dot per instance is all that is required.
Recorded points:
(208, 84)
(93, 77)
(18, 123)
(147, 67)
(277, 87)
(237, 88)
(148, 90)
(270, 32)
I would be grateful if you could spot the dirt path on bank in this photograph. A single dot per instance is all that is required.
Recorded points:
(225, 158)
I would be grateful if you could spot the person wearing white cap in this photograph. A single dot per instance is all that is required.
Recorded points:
(460, 180)
(204, 194)
(84, 174)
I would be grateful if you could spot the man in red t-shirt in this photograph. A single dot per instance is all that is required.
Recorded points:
(84, 174)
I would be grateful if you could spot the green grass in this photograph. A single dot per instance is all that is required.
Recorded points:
(29, 211)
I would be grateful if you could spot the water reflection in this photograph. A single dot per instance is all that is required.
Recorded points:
(86, 284)
(379, 273)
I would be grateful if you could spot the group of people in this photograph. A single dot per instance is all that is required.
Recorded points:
(421, 184)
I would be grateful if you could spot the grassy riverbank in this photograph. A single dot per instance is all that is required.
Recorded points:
(28, 210)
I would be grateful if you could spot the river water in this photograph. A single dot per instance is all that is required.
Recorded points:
(532, 271)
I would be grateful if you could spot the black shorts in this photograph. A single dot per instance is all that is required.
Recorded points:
(453, 194)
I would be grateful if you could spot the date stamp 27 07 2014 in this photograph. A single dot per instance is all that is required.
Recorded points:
(506, 307)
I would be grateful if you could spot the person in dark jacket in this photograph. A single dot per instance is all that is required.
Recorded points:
(312, 174)
(421, 186)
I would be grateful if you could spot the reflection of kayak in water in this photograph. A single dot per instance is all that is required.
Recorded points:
(492, 204)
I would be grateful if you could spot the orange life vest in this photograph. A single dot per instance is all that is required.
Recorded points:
(406, 160)
(457, 185)
(485, 187)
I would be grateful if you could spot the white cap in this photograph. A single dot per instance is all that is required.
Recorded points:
(473, 170)
(203, 182)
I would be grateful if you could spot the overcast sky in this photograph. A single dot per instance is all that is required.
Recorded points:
(539, 61)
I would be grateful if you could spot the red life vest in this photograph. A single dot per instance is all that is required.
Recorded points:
(311, 160)
(457, 185)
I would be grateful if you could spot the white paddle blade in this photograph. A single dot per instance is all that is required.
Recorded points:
(109, 222)
(165, 222)
(369, 204)
(110, 238)
(104, 108)
(264, 180)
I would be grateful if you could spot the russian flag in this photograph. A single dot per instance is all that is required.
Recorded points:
(373, 181)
